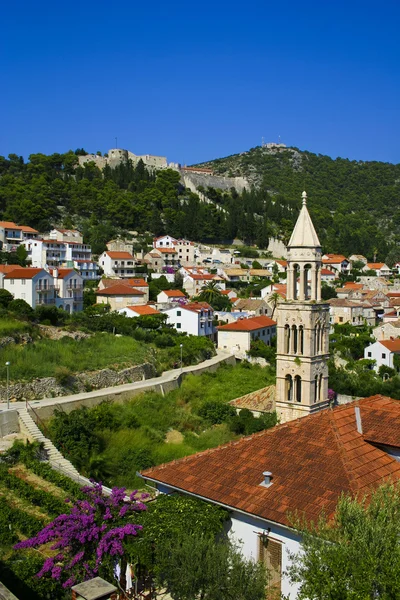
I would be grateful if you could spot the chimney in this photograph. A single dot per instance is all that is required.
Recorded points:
(358, 419)
(267, 479)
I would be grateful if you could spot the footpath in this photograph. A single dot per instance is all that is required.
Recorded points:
(166, 382)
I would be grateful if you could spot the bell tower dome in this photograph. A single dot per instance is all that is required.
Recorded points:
(302, 327)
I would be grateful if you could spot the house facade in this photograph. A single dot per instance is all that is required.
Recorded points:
(383, 353)
(194, 318)
(120, 295)
(117, 264)
(34, 285)
(12, 235)
(69, 289)
(236, 337)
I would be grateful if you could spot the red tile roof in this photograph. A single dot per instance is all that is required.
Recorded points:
(8, 268)
(374, 266)
(119, 255)
(119, 290)
(12, 225)
(328, 272)
(250, 324)
(144, 310)
(312, 460)
(198, 306)
(353, 286)
(203, 277)
(392, 345)
(174, 293)
(167, 250)
(24, 273)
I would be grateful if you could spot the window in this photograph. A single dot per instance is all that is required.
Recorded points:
(178, 313)
(383, 355)
(263, 331)
(340, 319)
(11, 281)
(369, 354)
(23, 281)
(270, 553)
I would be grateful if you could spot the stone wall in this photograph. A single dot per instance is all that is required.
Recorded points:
(8, 422)
(277, 248)
(51, 387)
(194, 180)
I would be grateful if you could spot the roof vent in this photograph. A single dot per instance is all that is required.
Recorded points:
(267, 479)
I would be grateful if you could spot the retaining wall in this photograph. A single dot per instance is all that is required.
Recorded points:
(8, 422)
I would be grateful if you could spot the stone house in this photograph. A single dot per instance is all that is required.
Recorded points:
(120, 295)
(236, 337)
(136, 282)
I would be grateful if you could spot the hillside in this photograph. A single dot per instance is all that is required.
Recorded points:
(355, 204)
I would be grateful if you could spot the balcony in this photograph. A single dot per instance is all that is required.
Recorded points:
(77, 299)
(44, 288)
(72, 287)
(45, 301)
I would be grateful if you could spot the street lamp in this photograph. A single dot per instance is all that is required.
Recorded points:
(8, 384)
(181, 346)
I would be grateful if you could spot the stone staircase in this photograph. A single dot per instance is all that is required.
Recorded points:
(55, 458)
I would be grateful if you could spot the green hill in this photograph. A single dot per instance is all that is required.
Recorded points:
(355, 205)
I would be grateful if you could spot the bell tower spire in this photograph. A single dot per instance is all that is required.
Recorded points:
(303, 327)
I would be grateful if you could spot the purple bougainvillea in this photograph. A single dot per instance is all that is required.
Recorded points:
(90, 534)
(331, 395)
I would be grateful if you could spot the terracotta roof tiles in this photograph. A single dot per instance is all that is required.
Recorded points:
(250, 324)
(313, 460)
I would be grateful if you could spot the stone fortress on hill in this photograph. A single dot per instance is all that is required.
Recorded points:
(302, 327)
(192, 177)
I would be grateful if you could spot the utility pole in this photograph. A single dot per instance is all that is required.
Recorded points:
(181, 356)
(8, 384)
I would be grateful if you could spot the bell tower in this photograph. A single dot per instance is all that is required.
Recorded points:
(302, 328)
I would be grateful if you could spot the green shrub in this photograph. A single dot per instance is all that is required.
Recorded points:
(214, 411)
(63, 376)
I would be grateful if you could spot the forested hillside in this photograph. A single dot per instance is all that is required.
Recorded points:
(355, 205)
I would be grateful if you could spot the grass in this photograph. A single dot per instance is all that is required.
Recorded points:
(43, 358)
(9, 327)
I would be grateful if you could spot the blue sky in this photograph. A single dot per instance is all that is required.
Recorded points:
(196, 81)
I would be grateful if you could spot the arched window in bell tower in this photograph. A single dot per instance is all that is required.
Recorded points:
(320, 388)
(297, 386)
(294, 339)
(296, 275)
(289, 388)
(307, 281)
(316, 389)
(301, 339)
(287, 339)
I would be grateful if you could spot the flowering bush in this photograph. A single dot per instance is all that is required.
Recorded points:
(331, 395)
(90, 537)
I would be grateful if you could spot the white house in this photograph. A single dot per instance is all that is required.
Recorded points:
(380, 269)
(302, 466)
(194, 283)
(336, 262)
(195, 318)
(12, 235)
(328, 276)
(69, 289)
(58, 253)
(184, 249)
(139, 311)
(34, 285)
(383, 353)
(168, 296)
(237, 337)
(117, 264)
